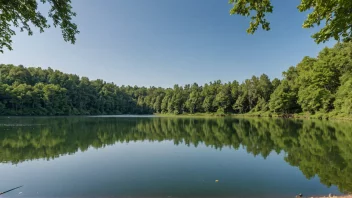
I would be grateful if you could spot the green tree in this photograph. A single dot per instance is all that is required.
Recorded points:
(195, 99)
(235, 92)
(265, 87)
(284, 99)
(335, 14)
(157, 104)
(275, 83)
(241, 105)
(209, 93)
(343, 102)
(24, 14)
(314, 98)
(321, 77)
(222, 100)
(55, 99)
(166, 100)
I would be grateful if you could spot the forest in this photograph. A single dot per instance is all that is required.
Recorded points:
(320, 85)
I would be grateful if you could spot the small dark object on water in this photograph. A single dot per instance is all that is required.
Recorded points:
(299, 195)
(1, 193)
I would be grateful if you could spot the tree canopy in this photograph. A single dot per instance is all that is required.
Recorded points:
(24, 14)
(336, 15)
(317, 85)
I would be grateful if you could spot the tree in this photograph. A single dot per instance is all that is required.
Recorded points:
(336, 14)
(343, 102)
(222, 100)
(194, 101)
(275, 83)
(314, 98)
(166, 100)
(284, 99)
(209, 93)
(241, 104)
(24, 14)
(55, 99)
(157, 104)
(265, 87)
(234, 90)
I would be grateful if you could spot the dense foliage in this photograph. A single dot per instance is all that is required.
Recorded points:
(336, 15)
(35, 91)
(25, 15)
(318, 148)
(316, 85)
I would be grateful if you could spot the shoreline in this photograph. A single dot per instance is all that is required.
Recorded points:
(262, 115)
(335, 196)
(212, 115)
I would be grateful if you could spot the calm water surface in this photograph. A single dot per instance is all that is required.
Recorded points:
(173, 157)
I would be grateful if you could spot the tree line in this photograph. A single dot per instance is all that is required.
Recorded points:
(309, 145)
(37, 91)
(315, 85)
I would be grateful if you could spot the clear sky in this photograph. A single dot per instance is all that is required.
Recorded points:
(167, 42)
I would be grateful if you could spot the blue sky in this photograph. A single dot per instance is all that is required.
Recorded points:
(167, 42)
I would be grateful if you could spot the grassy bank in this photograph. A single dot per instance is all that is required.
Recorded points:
(342, 196)
(210, 115)
(320, 116)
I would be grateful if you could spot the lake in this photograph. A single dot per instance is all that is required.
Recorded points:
(128, 156)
